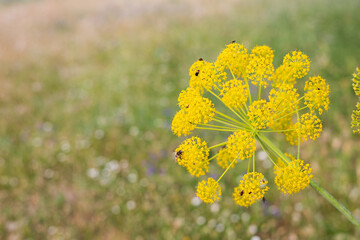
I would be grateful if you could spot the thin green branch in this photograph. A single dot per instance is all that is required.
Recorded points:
(335, 203)
(230, 118)
(217, 129)
(213, 157)
(226, 123)
(218, 145)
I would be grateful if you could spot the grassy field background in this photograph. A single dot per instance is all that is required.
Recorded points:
(88, 92)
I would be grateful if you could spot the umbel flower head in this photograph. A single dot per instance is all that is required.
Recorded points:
(220, 98)
(208, 190)
(293, 177)
(193, 154)
(251, 188)
(355, 117)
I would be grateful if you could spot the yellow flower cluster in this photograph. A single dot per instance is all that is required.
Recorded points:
(260, 67)
(296, 64)
(193, 154)
(234, 58)
(195, 109)
(225, 158)
(285, 100)
(248, 113)
(317, 95)
(309, 126)
(203, 75)
(356, 82)
(294, 177)
(208, 190)
(241, 145)
(251, 188)
(261, 114)
(355, 117)
(234, 94)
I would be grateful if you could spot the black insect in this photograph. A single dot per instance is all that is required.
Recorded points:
(232, 41)
(178, 155)
(197, 73)
(242, 192)
(200, 59)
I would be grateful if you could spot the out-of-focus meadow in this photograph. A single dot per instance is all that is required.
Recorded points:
(88, 92)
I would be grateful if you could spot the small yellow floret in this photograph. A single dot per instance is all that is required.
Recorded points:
(317, 95)
(201, 111)
(294, 177)
(195, 109)
(188, 96)
(203, 75)
(261, 114)
(251, 188)
(297, 64)
(224, 158)
(193, 154)
(260, 67)
(356, 82)
(285, 102)
(234, 94)
(208, 190)
(282, 77)
(241, 145)
(234, 57)
(309, 126)
(355, 119)
(283, 122)
(181, 124)
(292, 136)
(284, 99)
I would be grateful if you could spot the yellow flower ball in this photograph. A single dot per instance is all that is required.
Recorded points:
(193, 154)
(251, 189)
(293, 177)
(208, 190)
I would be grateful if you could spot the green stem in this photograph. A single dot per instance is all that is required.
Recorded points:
(259, 95)
(227, 106)
(267, 151)
(230, 118)
(276, 150)
(218, 129)
(253, 159)
(226, 123)
(216, 126)
(226, 169)
(288, 113)
(283, 130)
(213, 157)
(335, 203)
(224, 119)
(248, 88)
(218, 145)
(299, 134)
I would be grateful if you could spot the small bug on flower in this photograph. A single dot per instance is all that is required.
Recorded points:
(177, 155)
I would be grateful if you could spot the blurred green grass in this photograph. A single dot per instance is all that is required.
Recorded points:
(85, 131)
